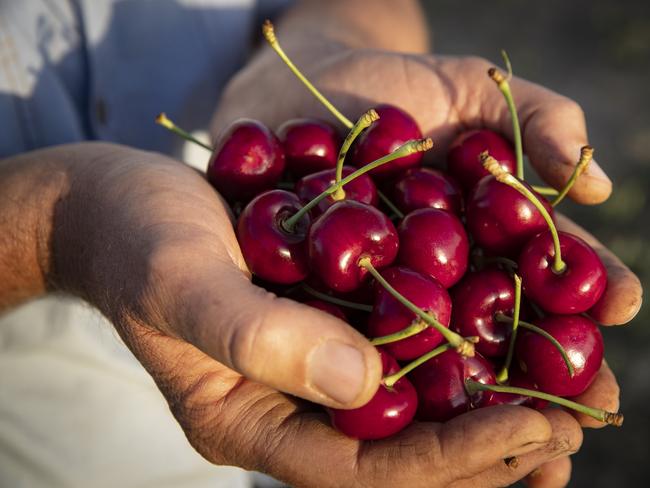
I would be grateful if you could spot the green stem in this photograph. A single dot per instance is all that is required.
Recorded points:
(169, 125)
(269, 35)
(393, 208)
(415, 328)
(586, 154)
(464, 347)
(390, 380)
(547, 191)
(502, 377)
(336, 301)
(611, 418)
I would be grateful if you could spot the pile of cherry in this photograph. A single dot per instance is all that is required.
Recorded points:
(459, 277)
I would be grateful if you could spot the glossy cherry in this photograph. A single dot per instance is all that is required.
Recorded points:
(501, 219)
(247, 160)
(389, 316)
(425, 187)
(440, 383)
(345, 233)
(270, 251)
(393, 129)
(463, 156)
(520, 380)
(387, 413)
(542, 363)
(434, 242)
(330, 308)
(476, 300)
(362, 189)
(310, 145)
(574, 290)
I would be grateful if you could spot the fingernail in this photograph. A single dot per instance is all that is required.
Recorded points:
(595, 171)
(338, 371)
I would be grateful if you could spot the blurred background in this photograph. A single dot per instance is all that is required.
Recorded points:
(598, 53)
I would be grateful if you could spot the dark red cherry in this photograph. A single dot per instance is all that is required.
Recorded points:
(247, 160)
(394, 128)
(387, 413)
(339, 238)
(361, 189)
(440, 383)
(389, 316)
(542, 363)
(425, 187)
(476, 300)
(434, 243)
(520, 380)
(330, 308)
(501, 219)
(271, 252)
(463, 156)
(576, 289)
(310, 145)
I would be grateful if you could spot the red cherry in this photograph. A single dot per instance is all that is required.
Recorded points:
(269, 250)
(348, 231)
(576, 289)
(477, 299)
(330, 308)
(389, 316)
(463, 156)
(361, 189)
(501, 219)
(434, 243)
(310, 145)
(520, 380)
(543, 363)
(387, 413)
(247, 160)
(440, 383)
(425, 187)
(394, 128)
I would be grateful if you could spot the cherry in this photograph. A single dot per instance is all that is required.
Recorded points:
(520, 380)
(501, 219)
(361, 189)
(425, 187)
(387, 413)
(573, 290)
(269, 250)
(477, 299)
(310, 145)
(394, 128)
(345, 233)
(389, 315)
(434, 243)
(330, 308)
(248, 159)
(463, 156)
(543, 364)
(440, 383)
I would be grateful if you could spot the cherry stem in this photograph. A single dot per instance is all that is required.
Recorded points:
(417, 326)
(363, 123)
(169, 125)
(269, 35)
(501, 175)
(586, 155)
(503, 84)
(336, 301)
(393, 208)
(462, 345)
(611, 418)
(390, 380)
(545, 190)
(406, 149)
(537, 330)
(502, 376)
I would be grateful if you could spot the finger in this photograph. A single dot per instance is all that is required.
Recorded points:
(623, 296)
(554, 474)
(603, 393)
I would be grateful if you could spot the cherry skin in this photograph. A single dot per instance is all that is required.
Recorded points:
(440, 383)
(389, 316)
(518, 379)
(576, 289)
(330, 308)
(501, 219)
(425, 187)
(339, 238)
(270, 251)
(434, 242)
(361, 189)
(394, 128)
(247, 160)
(387, 413)
(463, 156)
(476, 300)
(310, 145)
(542, 363)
